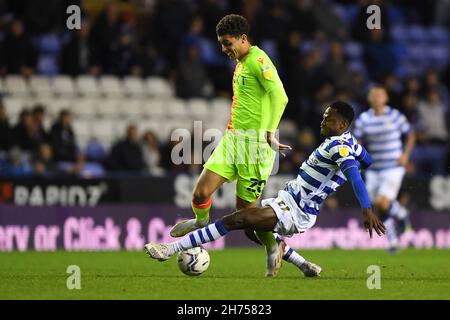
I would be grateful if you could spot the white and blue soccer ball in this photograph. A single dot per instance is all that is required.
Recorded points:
(193, 262)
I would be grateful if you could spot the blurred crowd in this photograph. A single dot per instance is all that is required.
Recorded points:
(322, 49)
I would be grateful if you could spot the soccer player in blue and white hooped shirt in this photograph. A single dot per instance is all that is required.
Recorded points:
(295, 209)
(381, 129)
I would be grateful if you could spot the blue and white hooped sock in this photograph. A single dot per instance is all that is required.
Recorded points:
(198, 237)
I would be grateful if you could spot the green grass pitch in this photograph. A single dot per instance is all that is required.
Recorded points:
(233, 274)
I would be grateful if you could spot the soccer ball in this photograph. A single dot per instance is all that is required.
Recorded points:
(194, 261)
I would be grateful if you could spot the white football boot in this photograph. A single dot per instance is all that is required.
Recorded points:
(184, 227)
(310, 269)
(158, 251)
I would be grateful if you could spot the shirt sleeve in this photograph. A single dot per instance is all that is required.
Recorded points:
(362, 156)
(343, 155)
(358, 186)
(403, 124)
(268, 77)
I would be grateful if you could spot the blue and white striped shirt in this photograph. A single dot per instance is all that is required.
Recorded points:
(382, 136)
(322, 173)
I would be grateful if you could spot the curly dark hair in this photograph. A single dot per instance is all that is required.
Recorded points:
(232, 24)
(344, 109)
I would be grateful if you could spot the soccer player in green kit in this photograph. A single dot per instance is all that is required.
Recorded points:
(248, 149)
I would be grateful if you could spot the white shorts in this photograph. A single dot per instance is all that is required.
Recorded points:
(385, 183)
(291, 219)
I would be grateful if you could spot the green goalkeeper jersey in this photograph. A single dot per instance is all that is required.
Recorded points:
(259, 98)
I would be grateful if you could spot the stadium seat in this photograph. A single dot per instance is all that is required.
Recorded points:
(104, 131)
(63, 86)
(111, 86)
(358, 66)
(417, 34)
(134, 87)
(395, 14)
(120, 127)
(87, 86)
(110, 108)
(54, 106)
(418, 53)
(353, 50)
(154, 108)
(82, 131)
(85, 108)
(159, 87)
(40, 86)
(199, 109)
(16, 85)
(13, 106)
(146, 125)
(399, 33)
(176, 109)
(438, 35)
(82, 128)
(167, 128)
(438, 56)
(131, 109)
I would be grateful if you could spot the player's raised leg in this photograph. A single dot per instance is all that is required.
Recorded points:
(207, 184)
(262, 219)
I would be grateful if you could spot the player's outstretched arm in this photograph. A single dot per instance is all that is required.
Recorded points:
(363, 157)
(371, 221)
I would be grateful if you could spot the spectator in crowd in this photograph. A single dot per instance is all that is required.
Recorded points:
(432, 81)
(192, 79)
(126, 155)
(95, 151)
(308, 78)
(124, 57)
(25, 134)
(76, 54)
(62, 138)
(303, 19)
(102, 38)
(17, 165)
(327, 21)
(43, 164)
(429, 156)
(409, 107)
(379, 57)
(172, 20)
(393, 89)
(152, 156)
(337, 68)
(17, 51)
(38, 114)
(5, 129)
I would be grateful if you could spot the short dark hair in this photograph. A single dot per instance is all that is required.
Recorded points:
(344, 109)
(232, 24)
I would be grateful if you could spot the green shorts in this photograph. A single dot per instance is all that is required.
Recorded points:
(246, 160)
